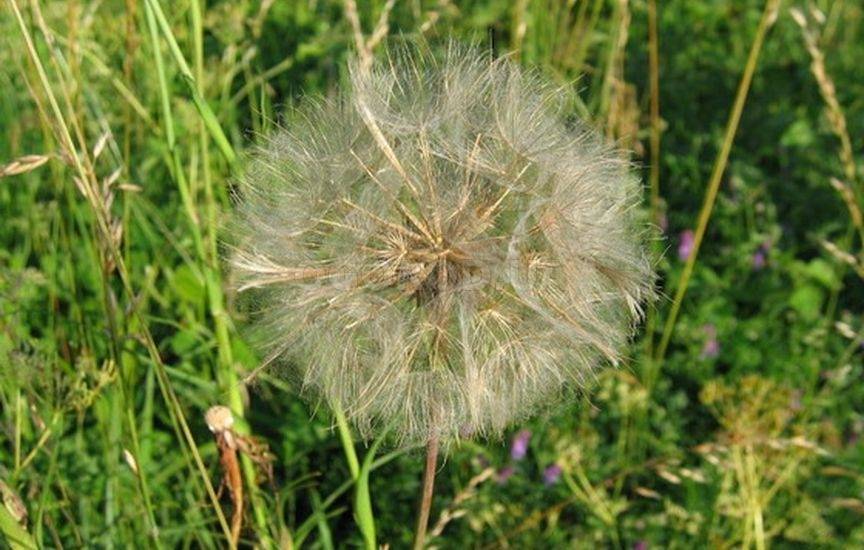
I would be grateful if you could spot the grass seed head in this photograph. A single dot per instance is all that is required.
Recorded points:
(438, 248)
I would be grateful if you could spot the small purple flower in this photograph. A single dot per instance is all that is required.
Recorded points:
(551, 474)
(504, 474)
(760, 257)
(640, 545)
(759, 260)
(519, 447)
(711, 347)
(685, 244)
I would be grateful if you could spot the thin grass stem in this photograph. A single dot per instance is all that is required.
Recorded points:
(654, 167)
(88, 182)
(207, 115)
(769, 15)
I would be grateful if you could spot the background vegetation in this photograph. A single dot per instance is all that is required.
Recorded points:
(736, 423)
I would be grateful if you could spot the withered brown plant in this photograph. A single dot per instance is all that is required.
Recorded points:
(437, 248)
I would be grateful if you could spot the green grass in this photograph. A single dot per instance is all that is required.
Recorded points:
(736, 422)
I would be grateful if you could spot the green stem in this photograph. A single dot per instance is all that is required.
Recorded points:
(363, 514)
(170, 137)
(654, 168)
(18, 427)
(768, 16)
(347, 442)
(207, 115)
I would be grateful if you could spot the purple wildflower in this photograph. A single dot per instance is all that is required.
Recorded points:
(758, 259)
(504, 474)
(551, 474)
(519, 447)
(686, 244)
(640, 545)
(711, 347)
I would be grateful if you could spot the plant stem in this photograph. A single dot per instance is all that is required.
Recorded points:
(18, 421)
(769, 15)
(428, 489)
(204, 110)
(347, 442)
(654, 168)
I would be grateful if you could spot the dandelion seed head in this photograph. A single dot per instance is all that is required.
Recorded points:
(437, 248)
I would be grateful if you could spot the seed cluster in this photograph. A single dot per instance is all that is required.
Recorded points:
(437, 249)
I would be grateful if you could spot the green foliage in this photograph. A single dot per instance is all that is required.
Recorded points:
(115, 331)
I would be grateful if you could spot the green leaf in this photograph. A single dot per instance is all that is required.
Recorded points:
(798, 134)
(807, 300)
(188, 285)
(822, 272)
(16, 536)
(184, 341)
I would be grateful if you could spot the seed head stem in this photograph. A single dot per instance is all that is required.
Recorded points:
(428, 489)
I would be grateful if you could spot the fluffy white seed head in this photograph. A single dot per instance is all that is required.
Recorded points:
(437, 249)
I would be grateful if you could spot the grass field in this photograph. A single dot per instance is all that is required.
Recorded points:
(735, 422)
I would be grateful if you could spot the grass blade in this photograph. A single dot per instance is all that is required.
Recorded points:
(207, 115)
(16, 536)
(363, 500)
